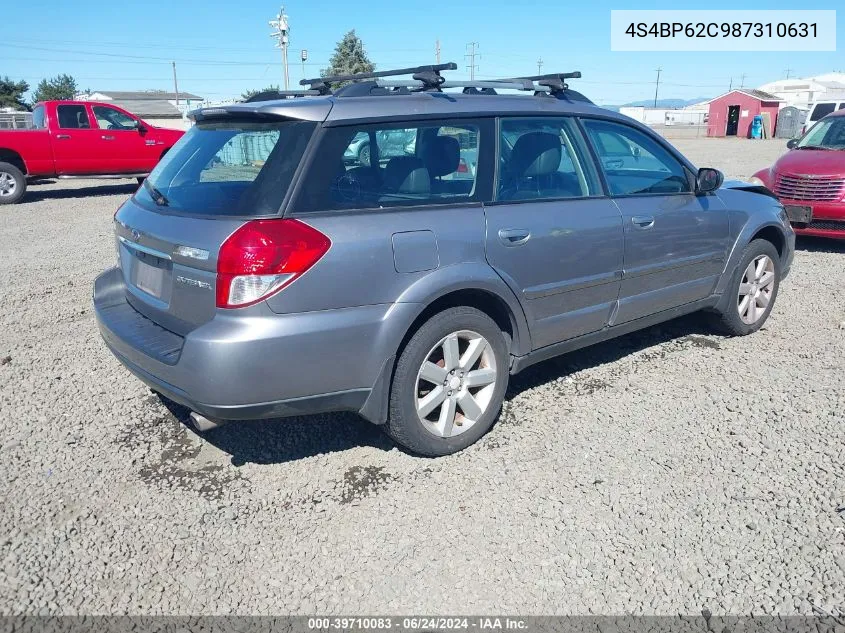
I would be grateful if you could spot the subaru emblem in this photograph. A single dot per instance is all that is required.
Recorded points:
(136, 234)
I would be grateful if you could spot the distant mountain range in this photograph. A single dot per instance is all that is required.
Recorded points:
(661, 103)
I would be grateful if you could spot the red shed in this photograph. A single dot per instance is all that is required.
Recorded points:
(731, 114)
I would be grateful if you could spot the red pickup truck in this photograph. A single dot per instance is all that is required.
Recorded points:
(79, 139)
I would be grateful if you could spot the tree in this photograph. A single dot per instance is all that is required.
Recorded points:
(349, 57)
(11, 93)
(251, 93)
(61, 88)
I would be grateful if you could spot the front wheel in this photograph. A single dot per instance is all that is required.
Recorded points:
(12, 184)
(752, 291)
(449, 383)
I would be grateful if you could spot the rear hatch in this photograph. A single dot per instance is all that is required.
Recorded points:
(224, 171)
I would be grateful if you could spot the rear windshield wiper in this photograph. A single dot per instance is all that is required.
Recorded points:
(158, 197)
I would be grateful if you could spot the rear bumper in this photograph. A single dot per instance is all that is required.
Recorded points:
(243, 368)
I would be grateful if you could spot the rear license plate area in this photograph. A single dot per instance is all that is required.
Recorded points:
(799, 214)
(148, 274)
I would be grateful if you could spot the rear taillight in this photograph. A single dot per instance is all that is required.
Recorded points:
(264, 256)
(462, 167)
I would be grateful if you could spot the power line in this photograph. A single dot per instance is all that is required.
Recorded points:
(472, 55)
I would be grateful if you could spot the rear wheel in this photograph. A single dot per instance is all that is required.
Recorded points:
(364, 156)
(12, 184)
(752, 291)
(449, 383)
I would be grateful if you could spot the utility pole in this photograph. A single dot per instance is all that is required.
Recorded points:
(437, 51)
(281, 31)
(742, 81)
(731, 86)
(472, 55)
(540, 66)
(657, 84)
(788, 71)
(175, 85)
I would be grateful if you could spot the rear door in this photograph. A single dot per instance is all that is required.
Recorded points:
(218, 176)
(552, 234)
(74, 141)
(675, 241)
(123, 146)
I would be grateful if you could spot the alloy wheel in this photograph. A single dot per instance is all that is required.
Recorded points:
(755, 289)
(455, 384)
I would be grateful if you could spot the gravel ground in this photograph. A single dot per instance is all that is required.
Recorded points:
(666, 472)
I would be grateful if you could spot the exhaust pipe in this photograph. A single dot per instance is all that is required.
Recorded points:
(202, 423)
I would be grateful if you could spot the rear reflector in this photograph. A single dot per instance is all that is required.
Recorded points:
(264, 256)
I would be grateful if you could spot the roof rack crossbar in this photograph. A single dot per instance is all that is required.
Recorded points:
(555, 82)
(429, 75)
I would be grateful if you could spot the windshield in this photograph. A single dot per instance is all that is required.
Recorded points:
(238, 168)
(827, 133)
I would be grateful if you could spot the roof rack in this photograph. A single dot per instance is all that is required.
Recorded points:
(429, 76)
(271, 95)
(555, 82)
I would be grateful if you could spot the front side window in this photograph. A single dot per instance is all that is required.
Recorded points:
(231, 167)
(72, 117)
(111, 119)
(374, 166)
(543, 158)
(634, 163)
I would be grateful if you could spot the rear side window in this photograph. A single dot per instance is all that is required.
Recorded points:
(634, 163)
(233, 168)
(72, 117)
(39, 118)
(543, 158)
(410, 164)
(822, 110)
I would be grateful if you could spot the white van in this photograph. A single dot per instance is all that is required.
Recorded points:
(821, 108)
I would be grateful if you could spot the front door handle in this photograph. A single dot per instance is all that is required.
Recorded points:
(514, 237)
(643, 221)
(107, 137)
(62, 136)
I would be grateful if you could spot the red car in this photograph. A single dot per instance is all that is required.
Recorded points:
(809, 180)
(88, 139)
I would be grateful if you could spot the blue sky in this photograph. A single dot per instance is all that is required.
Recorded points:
(224, 48)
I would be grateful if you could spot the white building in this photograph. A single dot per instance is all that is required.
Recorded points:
(155, 107)
(802, 92)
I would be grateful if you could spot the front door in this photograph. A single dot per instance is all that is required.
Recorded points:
(733, 120)
(124, 145)
(676, 242)
(551, 233)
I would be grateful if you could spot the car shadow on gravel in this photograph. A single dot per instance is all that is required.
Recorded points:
(36, 195)
(819, 244)
(289, 439)
(693, 328)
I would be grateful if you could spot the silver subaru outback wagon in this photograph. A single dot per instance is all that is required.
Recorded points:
(265, 270)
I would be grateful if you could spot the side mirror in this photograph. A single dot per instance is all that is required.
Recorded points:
(708, 180)
(139, 126)
(791, 143)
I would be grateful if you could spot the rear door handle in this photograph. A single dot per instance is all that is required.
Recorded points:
(107, 137)
(643, 221)
(62, 136)
(514, 237)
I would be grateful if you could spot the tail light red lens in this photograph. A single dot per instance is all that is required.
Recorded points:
(462, 167)
(264, 256)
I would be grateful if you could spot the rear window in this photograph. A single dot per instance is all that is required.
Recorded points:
(822, 110)
(232, 168)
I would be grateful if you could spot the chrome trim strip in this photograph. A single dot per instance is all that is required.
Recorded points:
(143, 249)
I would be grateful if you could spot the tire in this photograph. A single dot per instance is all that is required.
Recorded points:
(12, 184)
(364, 156)
(431, 434)
(732, 319)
